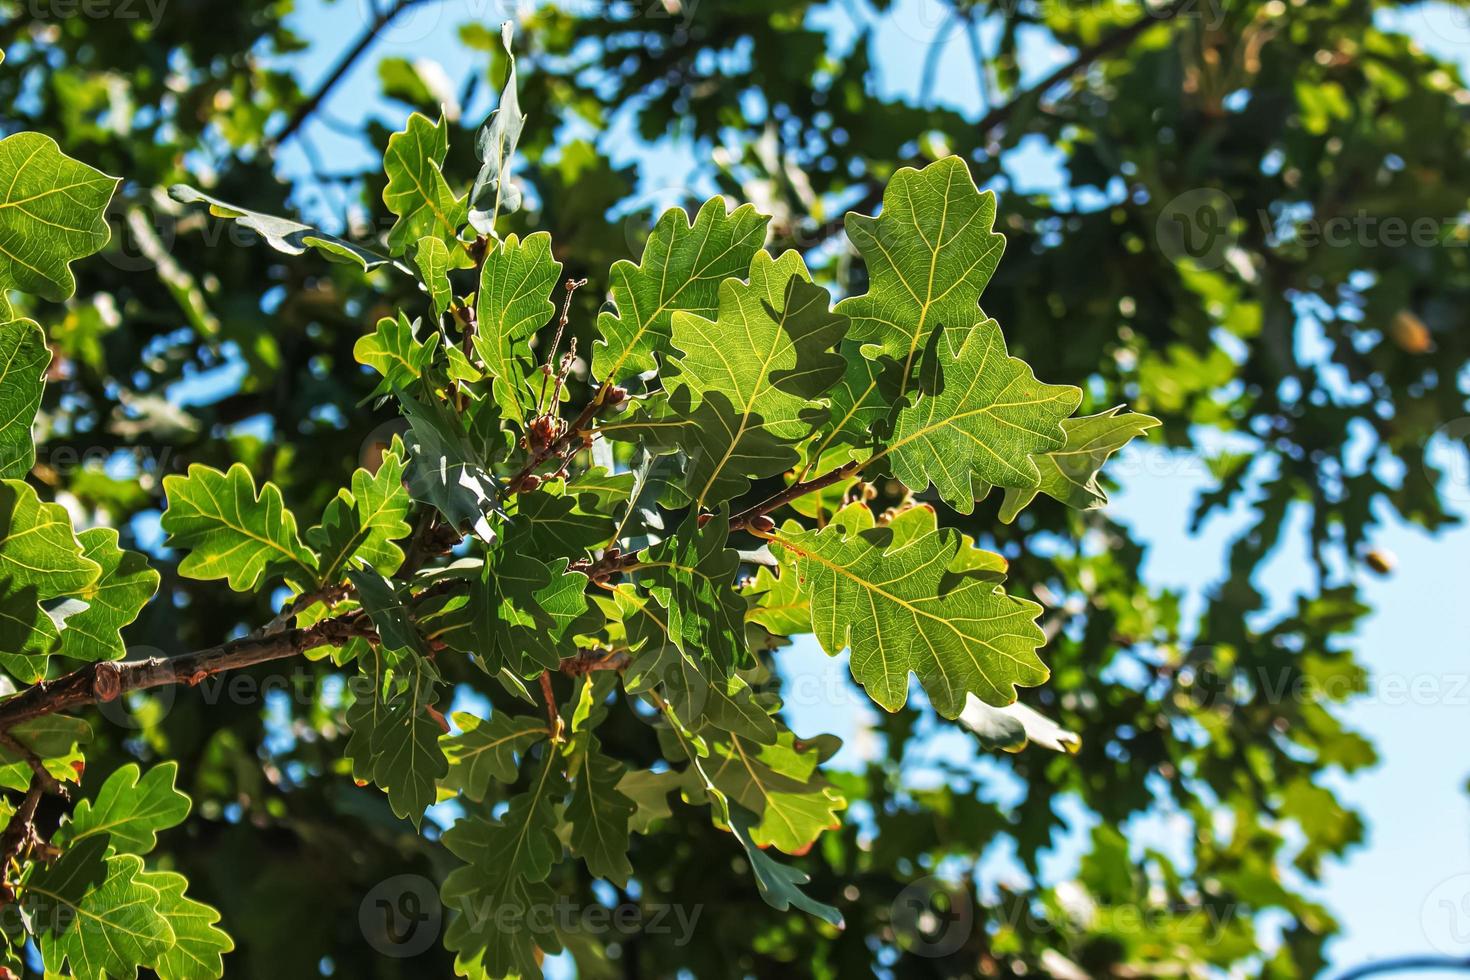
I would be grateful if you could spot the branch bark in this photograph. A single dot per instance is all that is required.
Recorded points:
(109, 680)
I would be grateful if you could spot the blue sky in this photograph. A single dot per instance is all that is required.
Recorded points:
(1386, 893)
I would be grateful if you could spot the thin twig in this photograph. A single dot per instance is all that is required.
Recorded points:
(339, 71)
(553, 717)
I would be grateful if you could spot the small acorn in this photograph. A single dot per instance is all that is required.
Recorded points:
(528, 483)
(762, 524)
(1381, 560)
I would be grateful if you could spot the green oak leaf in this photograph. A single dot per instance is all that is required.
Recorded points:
(1069, 474)
(682, 267)
(888, 594)
(198, 948)
(54, 740)
(395, 352)
(506, 865)
(649, 792)
(408, 761)
(929, 253)
(860, 406)
(416, 190)
(723, 450)
(697, 695)
(24, 358)
(521, 613)
(514, 301)
(50, 215)
(780, 603)
(129, 810)
(780, 784)
(40, 560)
(495, 145)
(115, 927)
(779, 884)
(232, 533)
(388, 608)
(559, 520)
(769, 348)
(984, 424)
(768, 352)
(283, 234)
(446, 471)
(55, 889)
(692, 575)
(598, 812)
(431, 256)
(363, 523)
(395, 741)
(487, 749)
(113, 601)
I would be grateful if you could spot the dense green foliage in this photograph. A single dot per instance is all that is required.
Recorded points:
(718, 378)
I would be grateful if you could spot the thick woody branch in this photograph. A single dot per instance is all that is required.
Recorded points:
(109, 680)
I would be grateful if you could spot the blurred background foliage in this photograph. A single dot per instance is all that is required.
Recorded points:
(1300, 376)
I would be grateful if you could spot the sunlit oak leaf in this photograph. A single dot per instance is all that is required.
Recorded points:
(487, 749)
(284, 234)
(113, 928)
(230, 532)
(981, 425)
(40, 560)
(50, 215)
(514, 301)
(431, 257)
(682, 267)
(198, 948)
(129, 810)
(930, 252)
(113, 601)
(1069, 474)
(24, 357)
(395, 352)
(779, 783)
(365, 522)
(416, 190)
(892, 599)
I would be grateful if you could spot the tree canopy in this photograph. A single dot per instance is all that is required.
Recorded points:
(445, 523)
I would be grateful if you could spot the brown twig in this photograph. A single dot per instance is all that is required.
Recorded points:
(339, 71)
(588, 661)
(109, 680)
(38, 768)
(572, 285)
(553, 717)
(20, 831)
